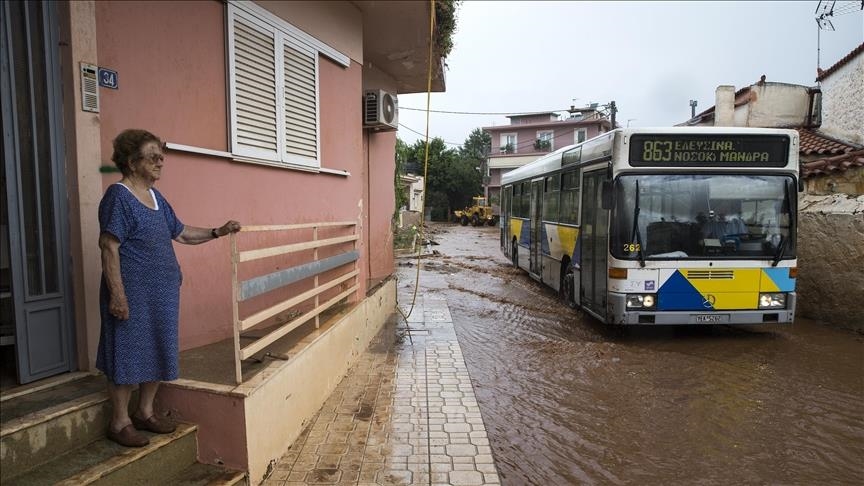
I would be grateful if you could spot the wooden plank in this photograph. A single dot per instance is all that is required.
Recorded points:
(315, 283)
(285, 227)
(250, 255)
(265, 283)
(265, 314)
(235, 309)
(269, 339)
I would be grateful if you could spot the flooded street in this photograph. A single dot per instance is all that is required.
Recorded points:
(567, 400)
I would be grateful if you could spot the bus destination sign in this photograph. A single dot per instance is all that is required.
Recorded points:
(709, 150)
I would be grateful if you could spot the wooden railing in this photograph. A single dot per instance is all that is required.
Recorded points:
(256, 286)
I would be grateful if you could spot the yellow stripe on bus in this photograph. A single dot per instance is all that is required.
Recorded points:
(515, 228)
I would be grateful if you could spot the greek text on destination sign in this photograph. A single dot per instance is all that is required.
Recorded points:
(709, 150)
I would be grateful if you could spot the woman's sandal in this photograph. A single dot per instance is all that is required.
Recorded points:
(154, 424)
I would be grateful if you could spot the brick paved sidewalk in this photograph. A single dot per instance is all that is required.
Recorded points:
(405, 414)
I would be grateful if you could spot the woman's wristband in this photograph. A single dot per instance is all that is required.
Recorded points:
(214, 234)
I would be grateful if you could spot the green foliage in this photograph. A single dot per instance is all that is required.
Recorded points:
(404, 237)
(477, 145)
(508, 149)
(445, 23)
(439, 203)
(542, 144)
(401, 193)
(451, 179)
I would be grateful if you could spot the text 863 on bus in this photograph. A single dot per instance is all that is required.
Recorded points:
(662, 226)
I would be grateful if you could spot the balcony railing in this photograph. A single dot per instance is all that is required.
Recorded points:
(304, 270)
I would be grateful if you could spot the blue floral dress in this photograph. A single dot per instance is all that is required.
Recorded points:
(144, 347)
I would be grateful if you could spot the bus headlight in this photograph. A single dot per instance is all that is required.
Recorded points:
(640, 301)
(772, 300)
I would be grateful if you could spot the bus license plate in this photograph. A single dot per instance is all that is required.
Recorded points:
(712, 318)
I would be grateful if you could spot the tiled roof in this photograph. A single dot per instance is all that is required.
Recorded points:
(832, 165)
(848, 57)
(814, 143)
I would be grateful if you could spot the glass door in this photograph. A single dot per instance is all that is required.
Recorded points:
(34, 231)
(535, 265)
(595, 244)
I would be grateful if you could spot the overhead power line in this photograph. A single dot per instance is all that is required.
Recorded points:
(480, 113)
(424, 135)
(599, 115)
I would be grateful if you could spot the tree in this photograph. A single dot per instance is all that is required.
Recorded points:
(402, 152)
(477, 146)
(451, 178)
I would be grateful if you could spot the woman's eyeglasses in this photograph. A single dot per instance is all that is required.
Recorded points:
(152, 158)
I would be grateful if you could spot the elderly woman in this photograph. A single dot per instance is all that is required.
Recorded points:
(140, 292)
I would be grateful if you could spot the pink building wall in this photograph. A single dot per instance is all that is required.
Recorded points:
(527, 134)
(381, 205)
(177, 89)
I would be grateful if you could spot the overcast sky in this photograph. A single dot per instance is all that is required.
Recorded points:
(651, 58)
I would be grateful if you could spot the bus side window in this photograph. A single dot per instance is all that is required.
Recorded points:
(570, 197)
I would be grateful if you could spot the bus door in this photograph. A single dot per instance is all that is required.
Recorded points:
(595, 244)
(535, 267)
(506, 213)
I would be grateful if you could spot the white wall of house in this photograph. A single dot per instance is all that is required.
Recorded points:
(843, 102)
(777, 105)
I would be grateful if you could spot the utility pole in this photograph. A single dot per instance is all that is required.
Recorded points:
(613, 109)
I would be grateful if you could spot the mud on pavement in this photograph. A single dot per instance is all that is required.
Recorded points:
(568, 400)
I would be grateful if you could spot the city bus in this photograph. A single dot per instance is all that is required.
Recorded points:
(645, 226)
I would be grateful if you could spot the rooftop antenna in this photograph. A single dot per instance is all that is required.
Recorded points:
(693, 104)
(824, 10)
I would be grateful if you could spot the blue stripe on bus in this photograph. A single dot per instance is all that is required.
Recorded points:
(525, 234)
(679, 294)
(544, 240)
(780, 277)
(577, 251)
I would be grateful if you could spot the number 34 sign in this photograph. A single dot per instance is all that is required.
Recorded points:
(108, 78)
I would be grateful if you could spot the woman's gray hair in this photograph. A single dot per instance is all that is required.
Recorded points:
(127, 147)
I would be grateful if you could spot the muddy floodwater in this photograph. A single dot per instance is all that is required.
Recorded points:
(567, 400)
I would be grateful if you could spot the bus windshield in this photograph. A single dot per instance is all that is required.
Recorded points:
(703, 216)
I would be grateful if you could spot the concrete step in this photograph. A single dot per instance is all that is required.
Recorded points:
(103, 462)
(43, 423)
(206, 475)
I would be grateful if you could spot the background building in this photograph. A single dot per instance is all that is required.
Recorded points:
(532, 135)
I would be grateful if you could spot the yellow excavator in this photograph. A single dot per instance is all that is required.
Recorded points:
(478, 214)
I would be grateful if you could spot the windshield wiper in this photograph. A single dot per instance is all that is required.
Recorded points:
(635, 235)
(781, 248)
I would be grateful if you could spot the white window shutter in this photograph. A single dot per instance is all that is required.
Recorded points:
(301, 105)
(256, 127)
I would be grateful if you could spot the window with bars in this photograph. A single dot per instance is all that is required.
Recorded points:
(274, 90)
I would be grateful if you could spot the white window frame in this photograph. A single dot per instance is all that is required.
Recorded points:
(576, 133)
(284, 35)
(551, 133)
(505, 137)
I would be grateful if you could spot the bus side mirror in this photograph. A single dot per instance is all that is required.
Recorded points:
(606, 194)
(800, 185)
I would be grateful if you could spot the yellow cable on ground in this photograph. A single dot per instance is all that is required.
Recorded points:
(425, 163)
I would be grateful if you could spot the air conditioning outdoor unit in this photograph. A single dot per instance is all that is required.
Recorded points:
(380, 110)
